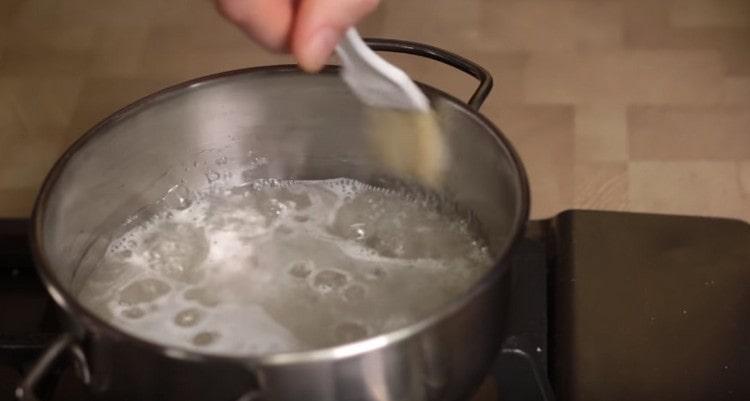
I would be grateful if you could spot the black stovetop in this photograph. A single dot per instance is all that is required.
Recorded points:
(605, 306)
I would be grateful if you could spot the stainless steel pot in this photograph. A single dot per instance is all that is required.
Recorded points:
(270, 122)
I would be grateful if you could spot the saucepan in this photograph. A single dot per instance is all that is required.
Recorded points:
(271, 122)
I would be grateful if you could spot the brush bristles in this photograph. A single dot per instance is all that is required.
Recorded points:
(410, 144)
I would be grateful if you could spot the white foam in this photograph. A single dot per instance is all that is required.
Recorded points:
(282, 265)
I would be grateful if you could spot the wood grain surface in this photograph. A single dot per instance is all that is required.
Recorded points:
(635, 105)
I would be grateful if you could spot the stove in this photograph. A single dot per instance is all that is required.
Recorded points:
(605, 306)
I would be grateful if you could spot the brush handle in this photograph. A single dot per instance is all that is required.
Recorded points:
(445, 57)
(374, 80)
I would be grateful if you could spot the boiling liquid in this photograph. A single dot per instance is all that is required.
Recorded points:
(285, 266)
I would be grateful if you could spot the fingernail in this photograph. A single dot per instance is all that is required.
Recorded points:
(317, 52)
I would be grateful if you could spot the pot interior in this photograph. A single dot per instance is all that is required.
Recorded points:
(271, 122)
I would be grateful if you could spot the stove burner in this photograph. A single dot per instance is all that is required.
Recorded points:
(605, 306)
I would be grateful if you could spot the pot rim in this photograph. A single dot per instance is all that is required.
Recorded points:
(71, 306)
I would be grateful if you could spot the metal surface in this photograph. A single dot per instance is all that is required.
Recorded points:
(272, 122)
(27, 390)
(446, 57)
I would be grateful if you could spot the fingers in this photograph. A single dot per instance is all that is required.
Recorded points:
(268, 22)
(318, 26)
(310, 28)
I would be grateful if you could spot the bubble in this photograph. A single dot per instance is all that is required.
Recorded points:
(354, 293)
(212, 176)
(133, 313)
(349, 331)
(300, 201)
(221, 161)
(359, 231)
(124, 253)
(179, 197)
(300, 269)
(270, 208)
(258, 162)
(176, 250)
(144, 291)
(380, 246)
(188, 317)
(329, 280)
(202, 296)
(205, 338)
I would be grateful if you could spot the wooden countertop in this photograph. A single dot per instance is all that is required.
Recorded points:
(622, 104)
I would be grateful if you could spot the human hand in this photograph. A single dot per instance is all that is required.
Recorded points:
(309, 29)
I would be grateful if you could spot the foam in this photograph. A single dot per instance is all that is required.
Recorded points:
(276, 266)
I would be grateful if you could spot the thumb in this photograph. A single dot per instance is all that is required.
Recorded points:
(319, 25)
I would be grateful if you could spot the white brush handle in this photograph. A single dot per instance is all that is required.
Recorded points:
(374, 80)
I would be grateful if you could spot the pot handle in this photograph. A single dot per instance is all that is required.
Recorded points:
(446, 57)
(65, 342)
